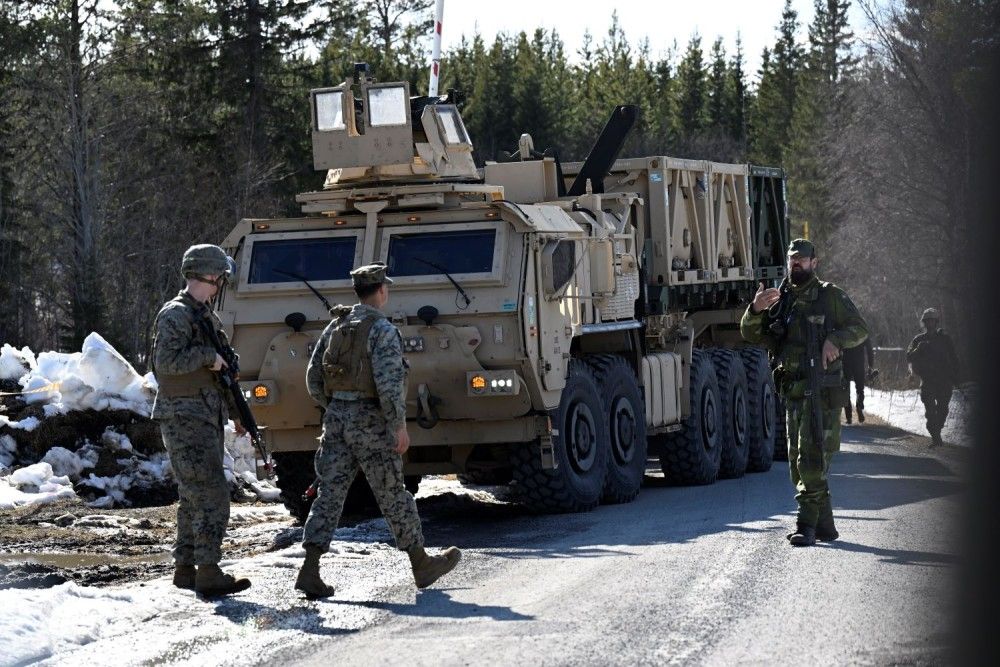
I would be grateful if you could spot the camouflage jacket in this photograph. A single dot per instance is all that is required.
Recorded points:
(180, 348)
(932, 356)
(385, 345)
(843, 324)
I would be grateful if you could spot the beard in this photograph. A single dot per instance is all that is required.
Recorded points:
(799, 275)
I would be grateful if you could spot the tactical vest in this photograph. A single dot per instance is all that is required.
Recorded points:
(187, 384)
(347, 364)
(791, 372)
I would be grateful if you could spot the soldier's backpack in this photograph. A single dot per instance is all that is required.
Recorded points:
(346, 362)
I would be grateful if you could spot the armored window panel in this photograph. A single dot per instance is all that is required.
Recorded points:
(563, 263)
(451, 125)
(387, 106)
(330, 111)
(315, 259)
(459, 252)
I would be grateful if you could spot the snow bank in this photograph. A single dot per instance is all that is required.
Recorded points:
(34, 484)
(97, 377)
(903, 409)
(15, 363)
(39, 624)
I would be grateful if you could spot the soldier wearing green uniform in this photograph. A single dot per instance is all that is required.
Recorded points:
(779, 319)
(192, 409)
(358, 374)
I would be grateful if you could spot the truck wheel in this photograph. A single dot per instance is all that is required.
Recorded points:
(295, 472)
(780, 431)
(580, 447)
(734, 413)
(692, 455)
(761, 399)
(625, 411)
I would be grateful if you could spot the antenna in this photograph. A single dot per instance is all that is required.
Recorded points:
(432, 89)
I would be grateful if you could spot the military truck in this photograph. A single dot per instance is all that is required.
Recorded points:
(562, 322)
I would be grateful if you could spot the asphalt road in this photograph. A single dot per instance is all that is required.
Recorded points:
(696, 575)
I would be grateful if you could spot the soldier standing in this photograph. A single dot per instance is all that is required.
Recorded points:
(857, 370)
(932, 356)
(806, 302)
(358, 374)
(192, 409)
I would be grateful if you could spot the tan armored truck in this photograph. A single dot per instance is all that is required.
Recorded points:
(562, 322)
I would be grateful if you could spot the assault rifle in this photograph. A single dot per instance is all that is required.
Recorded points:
(814, 379)
(229, 374)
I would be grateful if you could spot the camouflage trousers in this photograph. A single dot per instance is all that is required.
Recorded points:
(196, 450)
(935, 398)
(808, 467)
(355, 437)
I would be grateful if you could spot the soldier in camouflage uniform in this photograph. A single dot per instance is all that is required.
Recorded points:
(358, 374)
(932, 357)
(807, 301)
(192, 409)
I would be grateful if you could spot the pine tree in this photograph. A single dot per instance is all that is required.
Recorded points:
(736, 120)
(691, 92)
(719, 102)
(771, 113)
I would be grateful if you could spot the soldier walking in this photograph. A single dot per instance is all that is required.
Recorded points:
(780, 319)
(932, 357)
(856, 370)
(192, 409)
(358, 374)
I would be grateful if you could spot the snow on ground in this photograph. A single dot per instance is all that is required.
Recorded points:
(903, 409)
(34, 484)
(98, 378)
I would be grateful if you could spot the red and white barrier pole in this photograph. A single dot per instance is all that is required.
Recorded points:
(432, 89)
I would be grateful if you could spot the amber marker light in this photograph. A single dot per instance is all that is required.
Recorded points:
(413, 218)
(478, 383)
(260, 392)
(340, 222)
(263, 225)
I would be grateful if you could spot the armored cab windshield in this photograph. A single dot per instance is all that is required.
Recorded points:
(368, 131)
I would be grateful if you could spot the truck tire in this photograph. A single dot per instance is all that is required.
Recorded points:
(295, 471)
(692, 455)
(780, 431)
(580, 447)
(761, 399)
(734, 411)
(625, 413)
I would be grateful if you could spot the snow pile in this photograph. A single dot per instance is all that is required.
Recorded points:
(15, 363)
(68, 399)
(97, 378)
(903, 409)
(34, 484)
(39, 624)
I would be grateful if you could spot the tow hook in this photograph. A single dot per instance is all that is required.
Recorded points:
(427, 415)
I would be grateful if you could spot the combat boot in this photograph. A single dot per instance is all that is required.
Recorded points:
(936, 439)
(211, 581)
(428, 569)
(826, 531)
(804, 536)
(309, 581)
(861, 414)
(847, 414)
(184, 576)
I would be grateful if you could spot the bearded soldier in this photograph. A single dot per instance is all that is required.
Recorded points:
(780, 319)
(192, 408)
(357, 373)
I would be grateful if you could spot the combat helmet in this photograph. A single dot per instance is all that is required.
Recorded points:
(930, 314)
(206, 259)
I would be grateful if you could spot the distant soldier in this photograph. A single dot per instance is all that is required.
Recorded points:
(192, 409)
(932, 357)
(856, 370)
(785, 330)
(358, 374)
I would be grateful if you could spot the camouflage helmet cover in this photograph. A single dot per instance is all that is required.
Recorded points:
(930, 314)
(206, 259)
(370, 274)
